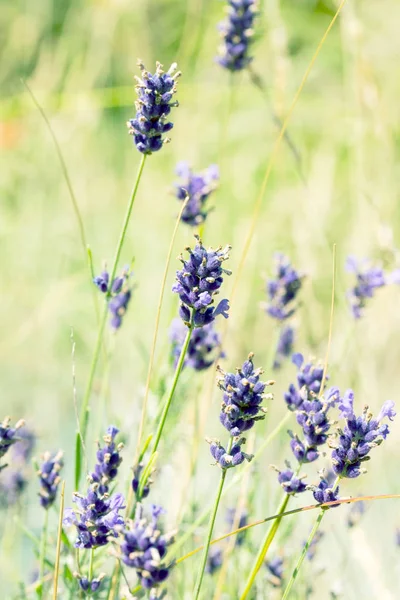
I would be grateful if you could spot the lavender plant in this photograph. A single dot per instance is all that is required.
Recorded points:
(198, 187)
(237, 33)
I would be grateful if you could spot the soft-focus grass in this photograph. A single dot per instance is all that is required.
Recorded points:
(346, 127)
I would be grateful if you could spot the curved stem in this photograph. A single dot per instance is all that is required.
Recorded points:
(84, 416)
(264, 548)
(211, 527)
(43, 554)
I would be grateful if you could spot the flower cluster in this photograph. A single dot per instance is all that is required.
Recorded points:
(285, 346)
(8, 436)
(15, 479)
(97, 518)
(282, 290)
(290, 481)
(118, 293)
(136, 482)
(49, 477)
(325, 492)
(359, 435)
(154, 103)
(312, 416)
(237, 33)
(87, 586)
(198, 282)
(243, 395)
(108, 461)
(309, 381)
(197, 187)
(228, 459)
(144, 547)
(204, 346)
(368, 279)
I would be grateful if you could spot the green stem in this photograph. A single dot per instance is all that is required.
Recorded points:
(211, 527)
(264, 548)
(90, 575)
(303, 554)
(178, 371)
(43, 554)
(203, 516)
(306, 547)
(84, 417)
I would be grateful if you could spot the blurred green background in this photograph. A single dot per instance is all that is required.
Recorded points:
(79, 58)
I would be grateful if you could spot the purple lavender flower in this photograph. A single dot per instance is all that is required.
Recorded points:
(144, 547)
(154, 103)
(312, 416)
(214, 560)
(90, 587)
(198, 187)
(284, 347)
(232, 459)
(136, 482)
(275, 568)
(368, 278)
(283, 289)
(15, 480)
(237, 33)
(324, 492)
(198, 282)
(243, 395)
(204, 346)
(96, 519)
(291, 483)
(309, 380)
(118, 294)
(108, 461)
(358, 437)
(8, 436)
(49, 476)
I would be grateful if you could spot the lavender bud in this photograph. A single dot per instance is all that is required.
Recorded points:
(283, 289)
(237, 34)
(198, 188)
(49, 476)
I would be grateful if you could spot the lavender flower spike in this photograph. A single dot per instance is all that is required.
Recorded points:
(119, 294)
(49, 475)
(284, 347)
(204, 346)
(233, 458)
(96, 519)
(243, 395)
(8, 436)
(108, 461)
(198, 187)
(144, 547)
(282, 290)
(358, 437)
(198, 282)
(237, 33)
(154, 103)
(368, 278)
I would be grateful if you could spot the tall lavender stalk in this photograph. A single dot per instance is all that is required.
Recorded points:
(154, 103)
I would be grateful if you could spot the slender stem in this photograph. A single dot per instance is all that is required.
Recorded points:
(43, 554)
(178, 371)
(210, 528)
(264, 548)
(303, 554)
(183, 539)
(90, 574)
(84, 418)
(59, 536)
(155, 334)
(306, 547)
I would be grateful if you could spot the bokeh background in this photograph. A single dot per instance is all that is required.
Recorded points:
(79, 59)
